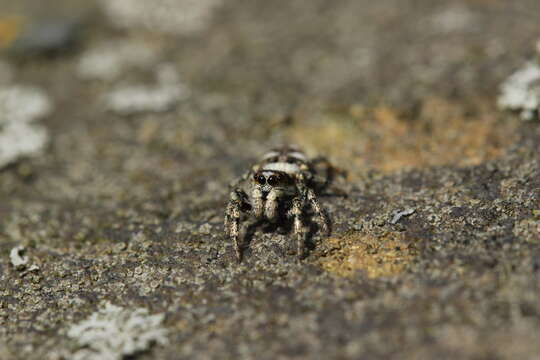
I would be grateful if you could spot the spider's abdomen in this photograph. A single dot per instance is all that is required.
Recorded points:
(290, 155)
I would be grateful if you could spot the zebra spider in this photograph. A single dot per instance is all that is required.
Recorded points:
(281, 186)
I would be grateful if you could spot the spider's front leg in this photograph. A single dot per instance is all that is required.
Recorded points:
(299, 228)
(237, 202)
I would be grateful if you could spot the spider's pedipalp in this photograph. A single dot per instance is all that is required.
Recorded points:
(258, 202)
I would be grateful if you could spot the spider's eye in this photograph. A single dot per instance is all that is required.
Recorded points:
(260, 179)
(291, 160)
(273, 180)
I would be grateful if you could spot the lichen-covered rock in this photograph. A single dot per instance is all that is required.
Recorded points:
(113, 332)
(160, 97)
(399, 94)
(20, 107)
(171, 16)
(521, 91)
(112, 59)
(17, 258)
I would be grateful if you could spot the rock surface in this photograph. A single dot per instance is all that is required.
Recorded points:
(128, 210)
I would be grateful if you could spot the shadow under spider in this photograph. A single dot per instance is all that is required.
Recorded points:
(282, 227)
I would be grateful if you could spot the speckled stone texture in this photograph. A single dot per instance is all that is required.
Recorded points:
(127, 208)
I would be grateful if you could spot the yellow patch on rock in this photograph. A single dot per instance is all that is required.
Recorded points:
(377, 256)
(10, 28)
(441, 133)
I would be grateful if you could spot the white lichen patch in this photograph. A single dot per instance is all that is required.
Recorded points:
(20, 106)
(17, 258)
(134, 99)
(521, 91)
(140, 98)
(23, 104)
(110, 60)
(18, 140)
(113, 333)
(20, 261)
(398, 214)
(168, 16)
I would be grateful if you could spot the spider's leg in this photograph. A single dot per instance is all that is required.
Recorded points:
(299, 228)
(331, 171)
(232, 218)
(325, 223)
(302, 179)
(329, 166)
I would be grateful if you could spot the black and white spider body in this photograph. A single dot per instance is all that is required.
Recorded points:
(281, 187)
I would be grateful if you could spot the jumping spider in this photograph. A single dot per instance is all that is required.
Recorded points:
(282, 185)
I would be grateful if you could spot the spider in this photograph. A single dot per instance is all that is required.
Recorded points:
(281, 186)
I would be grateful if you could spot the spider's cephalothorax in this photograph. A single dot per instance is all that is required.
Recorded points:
(280, 187)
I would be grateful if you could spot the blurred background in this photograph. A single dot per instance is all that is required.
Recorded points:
(123, 121)
(212, 79)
